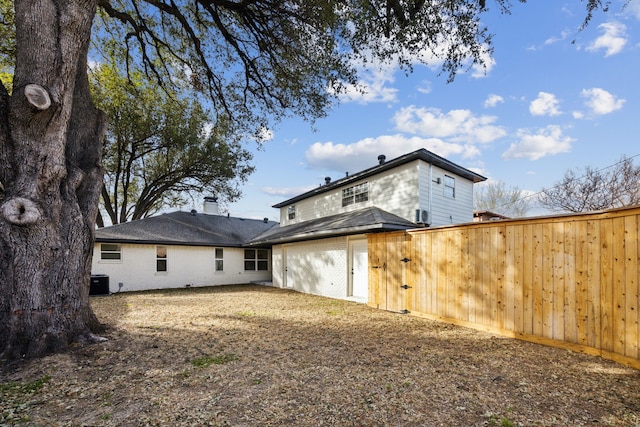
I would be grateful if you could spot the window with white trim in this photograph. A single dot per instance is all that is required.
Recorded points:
(161, 259)
(256, 259)
(356, 194)
(291, 212)
(219, 259)
(110, 251)
(449, 187)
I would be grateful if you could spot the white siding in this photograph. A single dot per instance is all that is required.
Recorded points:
(186, 265)
(444, 210)
(277, 267)
(319, 267)
(402, 191)
(395, 191)
(316, 267)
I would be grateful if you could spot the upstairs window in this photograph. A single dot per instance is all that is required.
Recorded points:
(161, 259)
(291, 212)
(356, 194)
(219, 259)
(110, 251)
(256, 260)
(449, 187)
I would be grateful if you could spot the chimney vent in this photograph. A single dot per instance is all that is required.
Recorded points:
(381, 159)
(210, 206)
(265, 220)
(327, 180)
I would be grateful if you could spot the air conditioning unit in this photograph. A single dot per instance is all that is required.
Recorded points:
(423, 217)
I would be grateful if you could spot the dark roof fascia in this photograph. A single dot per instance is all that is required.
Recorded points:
(421, 154)
(325, 234)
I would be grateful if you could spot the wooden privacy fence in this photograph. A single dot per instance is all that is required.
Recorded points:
(569, 281)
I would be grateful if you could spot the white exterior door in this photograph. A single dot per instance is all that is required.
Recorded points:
(359, 269)
(287, 266)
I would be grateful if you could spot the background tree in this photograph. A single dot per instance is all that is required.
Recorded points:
(160, 148)
(256, 60)
(496, 197)
(594, 189)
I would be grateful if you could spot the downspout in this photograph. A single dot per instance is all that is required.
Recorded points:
(430, 191)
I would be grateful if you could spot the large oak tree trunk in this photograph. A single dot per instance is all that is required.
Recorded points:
(50, 168)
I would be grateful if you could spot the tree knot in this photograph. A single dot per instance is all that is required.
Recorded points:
(37, 96)
(20, 211)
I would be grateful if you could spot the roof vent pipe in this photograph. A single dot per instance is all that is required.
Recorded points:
(210, 206)
(381, 159)
(327, 180)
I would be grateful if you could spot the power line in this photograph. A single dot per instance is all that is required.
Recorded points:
(626, 158)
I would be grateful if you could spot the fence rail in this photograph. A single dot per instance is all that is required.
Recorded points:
(569, 281)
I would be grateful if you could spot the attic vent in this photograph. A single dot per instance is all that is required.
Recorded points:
(193, 212)
(381, 159)
(327, 180)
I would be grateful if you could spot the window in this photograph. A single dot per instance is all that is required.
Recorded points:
(356, 194)
(219, 261)
(161, 259)
(291, 211)
(110, 251)
(449, 187)
(256, 259)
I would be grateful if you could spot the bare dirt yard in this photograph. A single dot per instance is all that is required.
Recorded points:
(259, 356)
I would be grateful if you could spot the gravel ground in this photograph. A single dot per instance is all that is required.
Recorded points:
(259, 356)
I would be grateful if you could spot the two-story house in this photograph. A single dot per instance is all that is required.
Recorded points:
(320, 246)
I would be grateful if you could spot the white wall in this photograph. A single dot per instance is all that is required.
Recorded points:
(445, 210)
(400, 191)
(186, 265)
(395, 191)
(319, 267)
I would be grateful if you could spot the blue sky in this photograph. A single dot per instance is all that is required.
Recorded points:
(553, 98)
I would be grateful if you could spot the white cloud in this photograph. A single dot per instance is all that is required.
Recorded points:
(600, 101)
(563, 36)
(425, 87)
(612, 41)
(493, 100)
(372, 87)
(633, 8)
(578, 115)
(364, 153)
(544, 142)
(286, 192)
(546, 104)
(481, 71)
(456, 125)
(263, 134)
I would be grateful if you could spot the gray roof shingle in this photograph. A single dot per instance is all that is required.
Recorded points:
(186, 228)
(367, 220)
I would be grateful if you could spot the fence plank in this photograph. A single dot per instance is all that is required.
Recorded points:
(570, 297)
(632, 270)
(582, 313)
(572, 281)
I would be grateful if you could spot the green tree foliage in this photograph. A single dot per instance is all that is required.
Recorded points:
(7, 43)
(160, 148)
(497, 197)
(591, 189)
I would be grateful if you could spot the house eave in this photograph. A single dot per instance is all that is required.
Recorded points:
(167, 243)
(324, 234)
